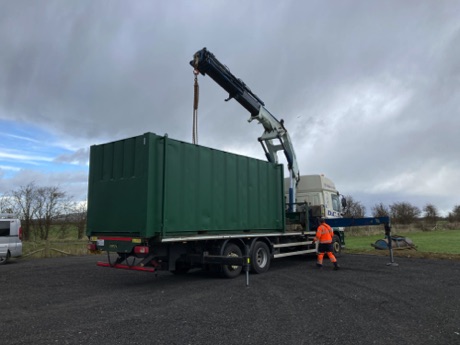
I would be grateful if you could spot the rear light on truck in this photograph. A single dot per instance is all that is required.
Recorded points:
(141, 250)
(20, 233)
(91, 247)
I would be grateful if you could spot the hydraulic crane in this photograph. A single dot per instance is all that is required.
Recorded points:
(275, 136)
(209, 238)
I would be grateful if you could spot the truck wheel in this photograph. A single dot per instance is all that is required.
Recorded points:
(260, 258)
(231, 271)
(337, 247)
(4, 259)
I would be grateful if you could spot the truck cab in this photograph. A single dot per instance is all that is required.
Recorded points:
(10, 237)
(318, 190)
(319, 193)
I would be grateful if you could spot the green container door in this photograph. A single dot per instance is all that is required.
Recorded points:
(117, 187)
(155, 186)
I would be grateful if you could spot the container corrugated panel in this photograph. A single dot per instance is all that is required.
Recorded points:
(151, 186)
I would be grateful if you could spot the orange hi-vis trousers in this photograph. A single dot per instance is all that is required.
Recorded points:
(321, 256)
(325, 248)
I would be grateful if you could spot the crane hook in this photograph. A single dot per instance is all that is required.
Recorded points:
(196, 93)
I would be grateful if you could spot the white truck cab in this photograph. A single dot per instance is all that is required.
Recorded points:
(10, 237)
(318, 190)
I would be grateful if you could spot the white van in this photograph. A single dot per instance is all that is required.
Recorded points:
(10, 237)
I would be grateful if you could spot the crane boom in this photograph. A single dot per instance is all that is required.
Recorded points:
(206, 63)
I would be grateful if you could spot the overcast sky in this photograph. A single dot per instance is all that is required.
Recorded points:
(369, 90)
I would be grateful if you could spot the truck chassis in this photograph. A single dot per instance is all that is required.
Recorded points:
(227, 255)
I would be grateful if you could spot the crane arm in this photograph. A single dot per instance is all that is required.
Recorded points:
(206, 63)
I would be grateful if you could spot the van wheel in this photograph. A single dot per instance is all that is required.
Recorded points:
(4, 259)
(231, 271)
(337, 247)
(260, 258)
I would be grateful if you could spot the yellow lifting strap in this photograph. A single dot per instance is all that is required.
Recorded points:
(196, 93)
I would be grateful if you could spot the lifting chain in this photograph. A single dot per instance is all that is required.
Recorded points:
(196, 93)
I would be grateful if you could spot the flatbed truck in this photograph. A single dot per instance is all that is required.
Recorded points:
(164, 204)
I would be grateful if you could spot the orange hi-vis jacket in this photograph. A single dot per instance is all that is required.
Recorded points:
(324, 233)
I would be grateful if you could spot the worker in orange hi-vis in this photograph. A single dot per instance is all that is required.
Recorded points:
(324, 235)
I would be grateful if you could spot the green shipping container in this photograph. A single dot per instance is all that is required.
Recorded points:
(153, 186)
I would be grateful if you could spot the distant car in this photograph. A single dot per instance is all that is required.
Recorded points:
(10, 237)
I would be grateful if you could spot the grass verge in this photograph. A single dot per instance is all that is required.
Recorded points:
(442, 244)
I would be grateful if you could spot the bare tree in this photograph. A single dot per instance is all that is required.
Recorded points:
(79, 216)
(5, 204)
(404, 212)
(380, 210)
(431, 213)
(39, 208)
(23, 203)
(51, 203)
(454, 216)
(354, 208)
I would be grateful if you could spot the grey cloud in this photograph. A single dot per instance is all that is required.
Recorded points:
(94, 71)
(80, 157)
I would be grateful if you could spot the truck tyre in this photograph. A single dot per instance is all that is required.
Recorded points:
(4, 259)
(231, 271)
(337, 247)
(260, 258)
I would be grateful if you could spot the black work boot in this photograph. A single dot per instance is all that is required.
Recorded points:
(336, 266)
(319, 266)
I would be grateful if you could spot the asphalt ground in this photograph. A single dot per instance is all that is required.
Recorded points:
(73, 301)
